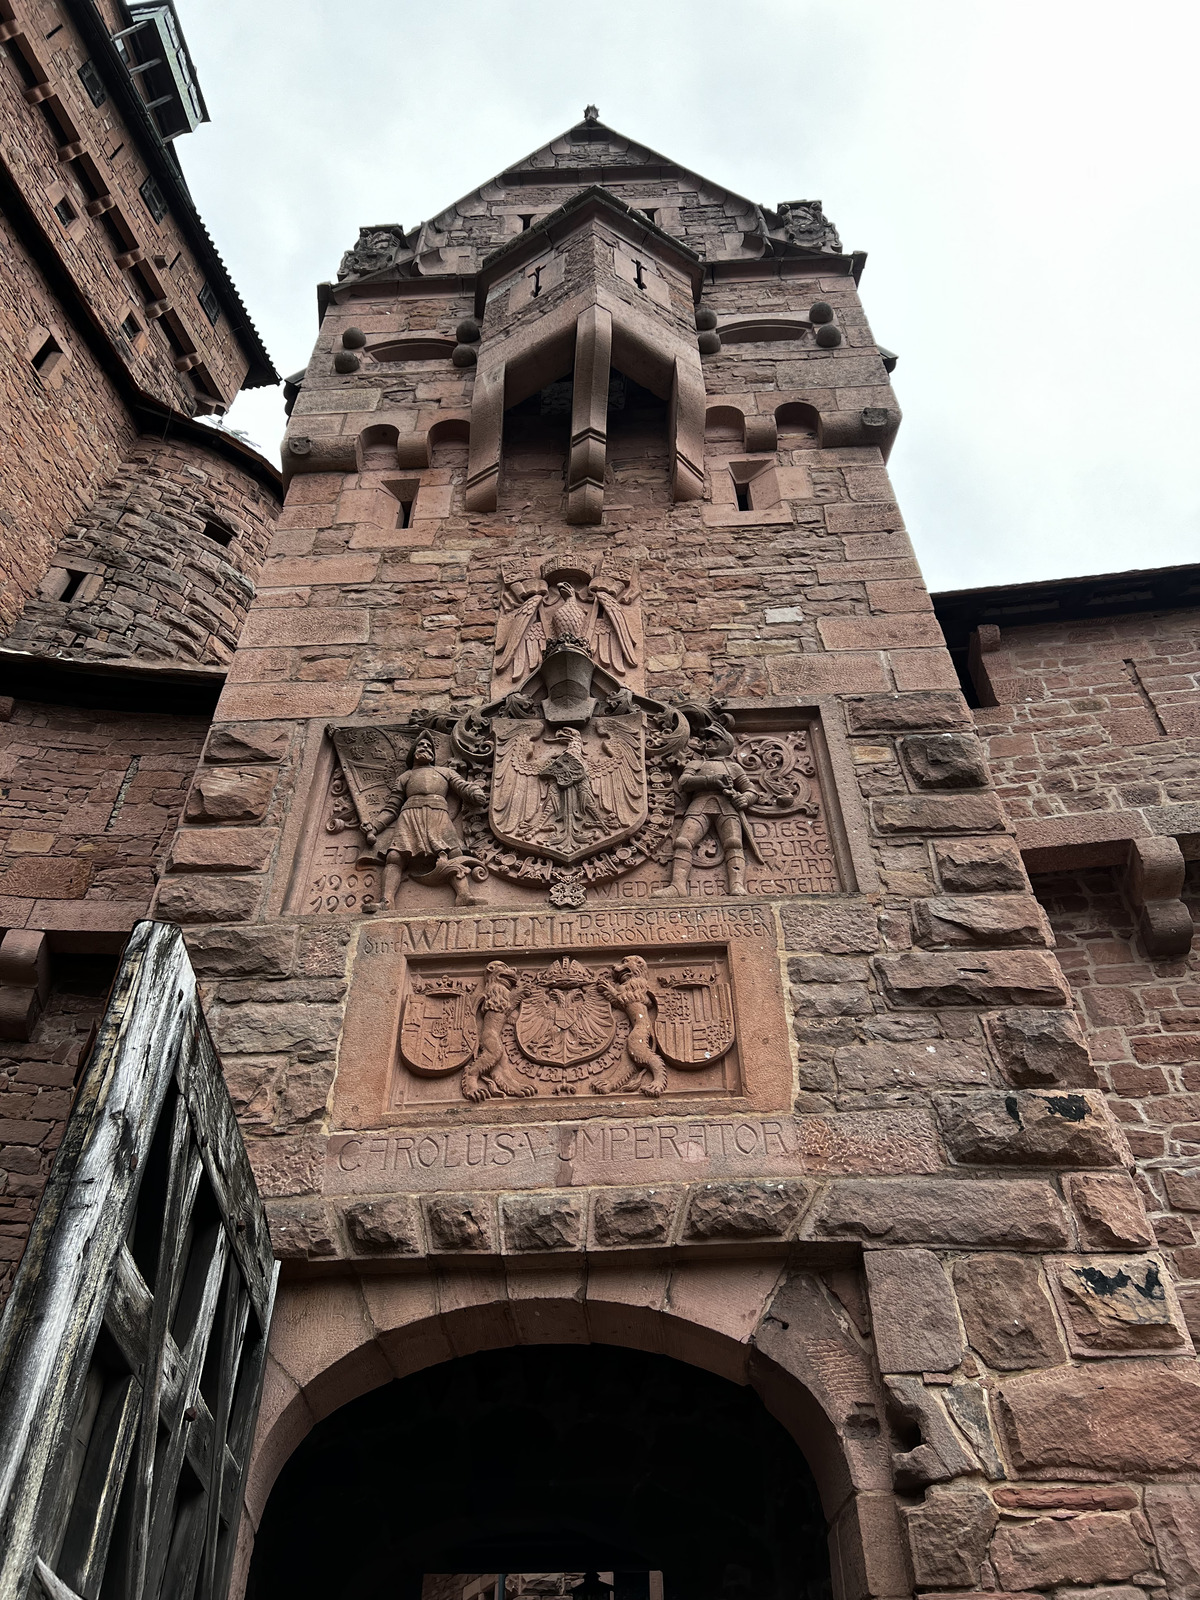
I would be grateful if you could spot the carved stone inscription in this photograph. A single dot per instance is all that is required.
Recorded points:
(619, 1024)
(659, 1150)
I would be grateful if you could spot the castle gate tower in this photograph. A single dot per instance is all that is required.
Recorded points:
(669, 1106)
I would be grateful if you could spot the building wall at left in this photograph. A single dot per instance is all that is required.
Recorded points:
(63, 424)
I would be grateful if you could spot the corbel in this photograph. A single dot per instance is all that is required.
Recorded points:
(24, 981)
(992, 669)
(1154, 883)
(487, 435)
(688, 399)
(589, 416)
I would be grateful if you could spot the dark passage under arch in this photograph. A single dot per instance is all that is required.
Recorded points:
(547, 1458)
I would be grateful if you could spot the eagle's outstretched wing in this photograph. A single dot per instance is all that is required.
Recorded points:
(611, 638)
(591, 1018)
(518, 793)
(617, 769)
(520, 638)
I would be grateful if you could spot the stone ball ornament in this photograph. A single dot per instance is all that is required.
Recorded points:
(829, 336)
(709, 342)
(354, 339)
(820, 311)
(346, 361)
(706, 319)
(467, 331)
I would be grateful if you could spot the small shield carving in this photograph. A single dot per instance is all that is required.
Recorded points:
(694, 1026)
(438, 1035)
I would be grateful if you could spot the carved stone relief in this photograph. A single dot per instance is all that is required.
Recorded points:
(803, 222)
(633, 800)
(596, 607)
(628, 1025)
(569, 782)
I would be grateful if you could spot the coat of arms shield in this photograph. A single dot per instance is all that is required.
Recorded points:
(694, 1026)
(568, 792)
(438, 1032)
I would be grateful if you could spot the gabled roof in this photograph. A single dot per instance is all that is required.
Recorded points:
(589, 153)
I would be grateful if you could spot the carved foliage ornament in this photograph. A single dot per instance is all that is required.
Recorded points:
(566, 1026)
(804, 223)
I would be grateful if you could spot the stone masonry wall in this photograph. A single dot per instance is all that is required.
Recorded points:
(1097, 734)
(915, 1201)
(63, 433)
(156, 586)
(89, 800)
(1142, 1021)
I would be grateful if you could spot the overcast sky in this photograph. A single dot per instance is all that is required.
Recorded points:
(1022, 174)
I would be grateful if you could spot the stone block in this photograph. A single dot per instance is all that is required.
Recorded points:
(241, 952)
(826, 672)
(303, 571)
(981, 919)
(301, 1231)
(900, 713)
(385, 1225)
(863, 518)
(912, 1313)
(1063, 1497)
(301, 625)
(996, 978)
(936, 813)
(1116, 1305)
(1109, 1211)
(1028, 1128)
(230, 794)
(1006, 1311)
(945, 760)
(923, 669)
(745, 1210)
(948, 1535)
(634, 1216)
(836, 927)
(897, 631)
(461, 1222)
(930, 1063)
(222, 849)
(1183, 1190)
(975, 866)
(915, 1410)
(247, 742)
(542, 1222)
(47, 878)
(288, 1166)
(1036, 1048)
(195, 898)
(944, 1211)
(1093, 1547)
(288, 702)
(1129, 1417)
(1174, 1513)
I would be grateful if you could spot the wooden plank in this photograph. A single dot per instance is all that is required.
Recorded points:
(79, 1273)
(54, 1313)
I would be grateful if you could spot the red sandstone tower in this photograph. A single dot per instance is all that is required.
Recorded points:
(681, 1141)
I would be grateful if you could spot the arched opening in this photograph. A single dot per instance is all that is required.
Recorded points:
(548, 1458)
(377, 447)
(799, 425)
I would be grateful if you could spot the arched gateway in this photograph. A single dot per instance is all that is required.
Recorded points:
(639, 1417)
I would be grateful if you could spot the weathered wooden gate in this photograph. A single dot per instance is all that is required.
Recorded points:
(133, 1343)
